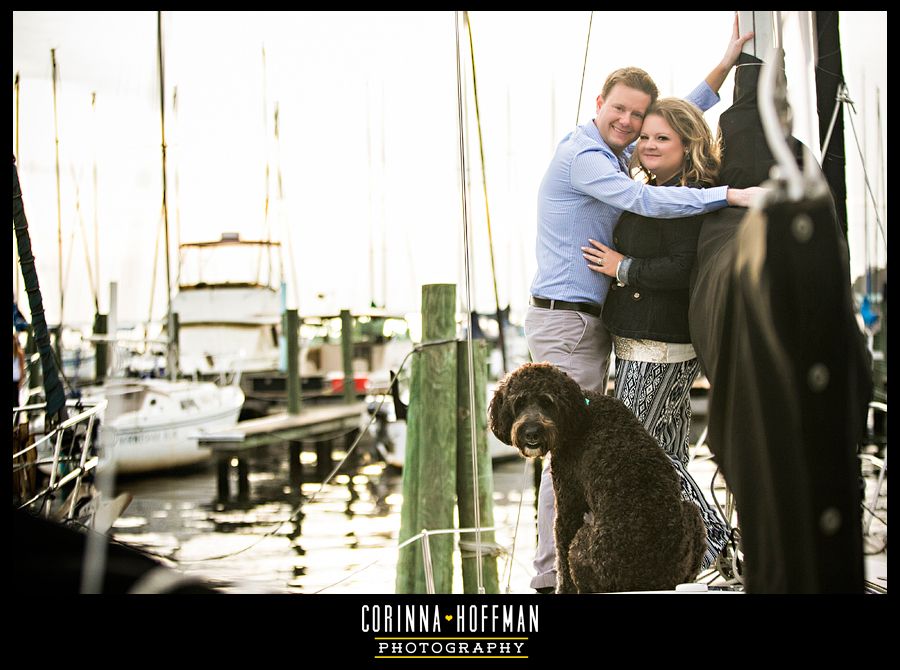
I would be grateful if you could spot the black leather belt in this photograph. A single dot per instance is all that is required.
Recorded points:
(586, 307)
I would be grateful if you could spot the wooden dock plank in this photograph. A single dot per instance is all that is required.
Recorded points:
(277, 427)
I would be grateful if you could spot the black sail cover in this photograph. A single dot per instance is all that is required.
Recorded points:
(772, 321)
(53, 389)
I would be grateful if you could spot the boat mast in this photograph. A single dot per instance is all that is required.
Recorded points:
(177, 188)
(369, 210)
(868, 233)
(15, 246)
(96, 219)
(266, 227)
(381, 214)
(281, 216)
(171, 358)
(58, 199)
(880, 208)
(376, 222)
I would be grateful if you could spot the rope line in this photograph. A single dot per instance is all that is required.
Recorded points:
(865, 170)
(487, 208)
(422, 535)
(584, 67)
(467, 244)
(512, 551)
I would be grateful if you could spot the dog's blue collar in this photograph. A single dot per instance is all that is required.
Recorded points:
(587, 401)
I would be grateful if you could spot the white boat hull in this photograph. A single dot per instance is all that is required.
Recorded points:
(148, 448)
(154, 424)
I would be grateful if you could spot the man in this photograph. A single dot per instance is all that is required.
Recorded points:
(585, 189)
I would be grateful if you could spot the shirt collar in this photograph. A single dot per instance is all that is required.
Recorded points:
(594, 133)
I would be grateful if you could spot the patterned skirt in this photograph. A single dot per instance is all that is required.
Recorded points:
(659, 396)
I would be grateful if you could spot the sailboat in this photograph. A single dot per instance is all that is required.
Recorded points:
(789, 383)
(154, 423)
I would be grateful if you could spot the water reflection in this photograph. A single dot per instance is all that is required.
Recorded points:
(306, 541)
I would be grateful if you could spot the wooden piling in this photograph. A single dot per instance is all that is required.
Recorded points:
(294, 388)
(431, 444)
(409, 560)
(176, 339)
(465, 484)
(347, 356)
(243, 471)
(222, 478)
(100, 348)
(295, 466)
(323, 458)
(292, 331)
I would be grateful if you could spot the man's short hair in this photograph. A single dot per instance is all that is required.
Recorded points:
(632, 77)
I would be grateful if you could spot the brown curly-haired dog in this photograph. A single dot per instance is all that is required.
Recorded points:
(621, 524)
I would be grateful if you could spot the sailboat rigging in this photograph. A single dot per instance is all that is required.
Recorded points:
(501, 339)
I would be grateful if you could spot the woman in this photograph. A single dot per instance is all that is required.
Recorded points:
(646, 309)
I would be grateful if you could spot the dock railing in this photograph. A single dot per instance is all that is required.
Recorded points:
(73, 456)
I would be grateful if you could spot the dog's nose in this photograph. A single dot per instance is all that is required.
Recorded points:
(531, 433)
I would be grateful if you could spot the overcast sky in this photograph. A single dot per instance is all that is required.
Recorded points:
(368, 147)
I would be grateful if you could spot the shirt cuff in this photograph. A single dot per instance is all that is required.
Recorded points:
(717, 195)
(703, 96)
(622, 270)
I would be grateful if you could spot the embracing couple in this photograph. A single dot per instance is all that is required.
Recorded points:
(615, 254)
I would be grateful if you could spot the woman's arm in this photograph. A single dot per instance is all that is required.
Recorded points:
(668, 272)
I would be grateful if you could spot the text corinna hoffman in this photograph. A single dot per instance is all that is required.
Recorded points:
(459, 619)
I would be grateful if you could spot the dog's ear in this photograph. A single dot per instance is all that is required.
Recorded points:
(500, 416)
(573, 406)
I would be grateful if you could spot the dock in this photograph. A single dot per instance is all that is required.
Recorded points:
(323, 425)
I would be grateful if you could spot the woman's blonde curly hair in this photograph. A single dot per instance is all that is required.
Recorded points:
(703, 155)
